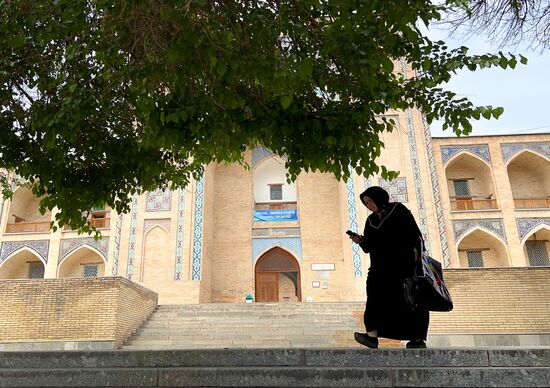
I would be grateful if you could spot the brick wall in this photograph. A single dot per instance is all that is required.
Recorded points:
(503, 300)
(99, 309)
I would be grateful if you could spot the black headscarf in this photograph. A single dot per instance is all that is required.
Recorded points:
(378, 195)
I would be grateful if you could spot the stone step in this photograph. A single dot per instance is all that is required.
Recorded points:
(278, 367)
(232, 332)
(496, 357)
(277, 377)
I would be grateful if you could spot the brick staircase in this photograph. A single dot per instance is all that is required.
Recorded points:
(256, 325)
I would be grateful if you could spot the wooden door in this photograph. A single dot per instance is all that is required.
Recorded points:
(267, 287)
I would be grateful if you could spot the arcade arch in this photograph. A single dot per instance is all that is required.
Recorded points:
(84, 261)
(277, 277)
(271, 189)
(22, 264)
(537, 247)
(470, 183)
(480, 248)
(24, 215)
(529, 180)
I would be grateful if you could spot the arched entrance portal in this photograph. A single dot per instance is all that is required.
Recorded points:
(277, 275)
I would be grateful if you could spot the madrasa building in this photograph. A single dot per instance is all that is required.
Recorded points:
(480, 202)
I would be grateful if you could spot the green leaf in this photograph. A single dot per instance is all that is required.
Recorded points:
(286, 101)
(306, 67)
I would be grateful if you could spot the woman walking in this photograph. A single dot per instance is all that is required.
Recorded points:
(392, 238)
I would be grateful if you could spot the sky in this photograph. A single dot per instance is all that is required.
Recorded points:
(523, 92)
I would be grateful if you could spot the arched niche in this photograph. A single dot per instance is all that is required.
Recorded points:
(81, 262)
(269, 181)
(277, 277)
(24, 215)
(22, 264)
(157, 266)
(474, 178)
(479, 242)
(530, 180)
(537, 247)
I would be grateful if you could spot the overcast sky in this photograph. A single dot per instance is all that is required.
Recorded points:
(523, 92)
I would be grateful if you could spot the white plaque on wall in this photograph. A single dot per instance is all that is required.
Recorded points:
(323, 267)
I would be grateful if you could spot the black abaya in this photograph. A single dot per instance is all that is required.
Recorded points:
(391, 240)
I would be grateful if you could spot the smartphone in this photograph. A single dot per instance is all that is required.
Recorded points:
(352, 234)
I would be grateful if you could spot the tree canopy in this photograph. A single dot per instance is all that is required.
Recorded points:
(102, 99)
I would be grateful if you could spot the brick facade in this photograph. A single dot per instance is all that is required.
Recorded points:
(200, 244)
(47, 310)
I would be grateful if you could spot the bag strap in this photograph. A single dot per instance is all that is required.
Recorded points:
(418, 258)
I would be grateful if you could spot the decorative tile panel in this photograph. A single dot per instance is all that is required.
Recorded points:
(352, 222)
(179, 235)
(417, 179)
(511, 149)
(436, 195)
(292, 244)
(116, 252)
(481, 150)
(526, 225)
(41, 247)
(69, 245)
(197, 230)
(397, 189)
(159, 201)
(133, 235)
(494, 225)
(150, 224)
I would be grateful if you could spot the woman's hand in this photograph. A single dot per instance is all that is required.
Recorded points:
(356, 238)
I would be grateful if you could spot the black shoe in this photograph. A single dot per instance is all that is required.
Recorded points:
(416, 344)
(367, 340)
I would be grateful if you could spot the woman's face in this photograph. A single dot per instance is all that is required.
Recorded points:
(369, 203)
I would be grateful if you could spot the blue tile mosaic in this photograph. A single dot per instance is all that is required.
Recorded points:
(291, 244)
(179, 235)
(197, 230)
(493, 225)
(40, 247)
(116, 252)
(133, 236)
(352, 223)
(480, 150)
(70, 245)
(511, 149)
(526, 225)
(436, 195)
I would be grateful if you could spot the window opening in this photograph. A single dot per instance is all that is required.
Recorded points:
(36, 270)
(475, 259)
(90, 270)
(537, 253)
(275, 192)
(462, 189)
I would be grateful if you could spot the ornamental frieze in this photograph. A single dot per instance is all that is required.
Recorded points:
(481, 150)
(494, 225)
(526, 225)
(397, 188)
(159, 201)
(41, 247)
(71, 244)
(292, 244)
(511, 149)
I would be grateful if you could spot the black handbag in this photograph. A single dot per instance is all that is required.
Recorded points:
(425, 290)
